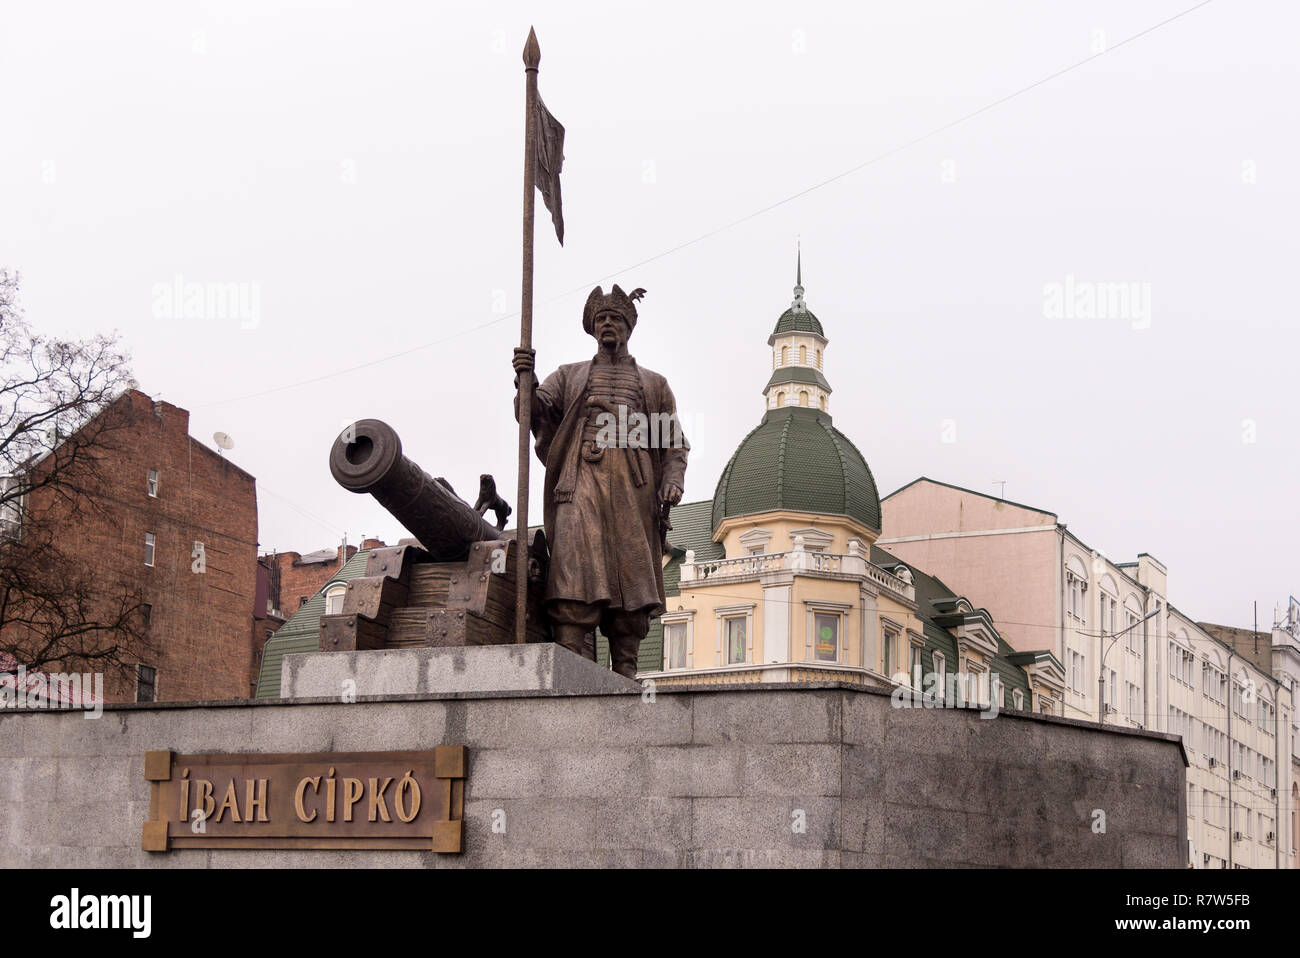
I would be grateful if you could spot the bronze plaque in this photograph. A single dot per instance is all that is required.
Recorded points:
(338, 800)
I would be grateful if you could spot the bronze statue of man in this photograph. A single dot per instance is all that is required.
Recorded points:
(615, 459)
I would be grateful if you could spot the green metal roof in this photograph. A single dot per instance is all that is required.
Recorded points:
(302, 632)
(798, 321)
(797, 374)
(795, 459)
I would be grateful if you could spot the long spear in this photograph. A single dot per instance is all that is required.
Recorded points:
(543, 155)
(532, 57)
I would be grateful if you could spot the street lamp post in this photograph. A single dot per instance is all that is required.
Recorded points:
(1101, 671)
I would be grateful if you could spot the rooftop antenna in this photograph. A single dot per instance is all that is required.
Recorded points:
(223, 441)
(1002, 493)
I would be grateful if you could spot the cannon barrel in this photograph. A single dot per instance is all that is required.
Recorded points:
(367, 457)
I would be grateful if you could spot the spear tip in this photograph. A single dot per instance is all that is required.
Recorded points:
(532, 52)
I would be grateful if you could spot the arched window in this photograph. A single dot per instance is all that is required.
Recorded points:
(819, 359)
(334, 599)
(803, 355)
(803, 397)
(823, 403)
(785, 355)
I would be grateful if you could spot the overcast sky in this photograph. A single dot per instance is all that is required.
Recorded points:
(358, 169)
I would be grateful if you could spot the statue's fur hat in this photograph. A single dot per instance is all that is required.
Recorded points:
(617, 301)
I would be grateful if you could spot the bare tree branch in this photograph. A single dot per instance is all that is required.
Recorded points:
(60, 426)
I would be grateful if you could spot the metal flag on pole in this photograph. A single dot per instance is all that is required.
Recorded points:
(543, 157)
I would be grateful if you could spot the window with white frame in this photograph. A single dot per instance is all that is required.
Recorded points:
(938, 662)
(1267, 716)
(1132, 618)
(149, 546)
(1112, 691)
(334, 599)
(1109, 605)
(915, 672)
(1241, 701)
(1078, 672)
(1134, 703)
(734, 639)
(888, 650)
(1214, 682)
(826, 636)
(674, 645)
(1076, 584)
(152, 484)
(977, 684)
(1018, 699)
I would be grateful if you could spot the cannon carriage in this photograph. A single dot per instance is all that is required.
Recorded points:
(453, 584)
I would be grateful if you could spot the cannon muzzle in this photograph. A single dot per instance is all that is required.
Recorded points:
(367, 457)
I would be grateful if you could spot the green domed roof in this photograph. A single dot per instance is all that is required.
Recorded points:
(798, 321)
(797, 460)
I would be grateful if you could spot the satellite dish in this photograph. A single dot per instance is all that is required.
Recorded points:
(223, 441)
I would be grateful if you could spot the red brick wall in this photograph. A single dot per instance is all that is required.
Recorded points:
(200, 622)
(299, 580)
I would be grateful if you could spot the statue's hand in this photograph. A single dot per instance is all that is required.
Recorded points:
(671, 493)
(523, 362)
(604, 404)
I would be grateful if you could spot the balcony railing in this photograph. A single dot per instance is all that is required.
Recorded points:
(800, 561)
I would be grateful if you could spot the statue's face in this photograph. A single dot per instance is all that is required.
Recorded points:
(611, 329)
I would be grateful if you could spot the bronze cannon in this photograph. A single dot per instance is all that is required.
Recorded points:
(453, 584)
(367, 457)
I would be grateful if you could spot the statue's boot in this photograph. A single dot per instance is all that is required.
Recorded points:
(623, 654)
(573, 638)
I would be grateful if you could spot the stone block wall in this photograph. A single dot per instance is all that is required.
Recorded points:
(785, 776)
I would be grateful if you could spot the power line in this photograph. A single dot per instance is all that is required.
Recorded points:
(732, 224)
(303, 512)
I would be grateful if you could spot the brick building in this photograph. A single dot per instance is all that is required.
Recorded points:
(178, 522)
(293, 578)
(285, 582)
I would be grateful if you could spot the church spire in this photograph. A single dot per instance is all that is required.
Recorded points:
(797, 345)
(798, 304)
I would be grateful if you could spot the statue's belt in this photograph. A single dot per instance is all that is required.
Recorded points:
(593, 452)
